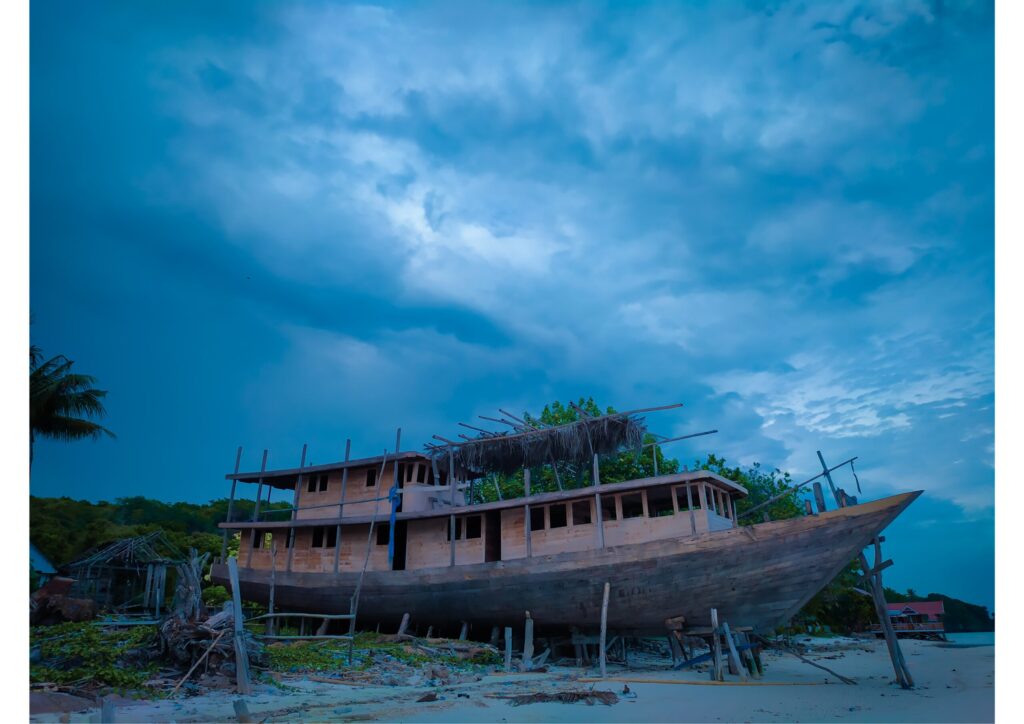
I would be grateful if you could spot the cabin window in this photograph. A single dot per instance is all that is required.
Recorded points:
(712, 502)
(401, 472)
(659, 502)
(318, 537)
(681, 503)
(473, 527)
(536, 518)
(383, 534)
(557, 515)
(581, 512)
(263, 539)
(458, 529)
(421, 474)
(331, 537)
(371, 477)
(323, 482)
(311, 484)
(408, 472)
(608, 508)
(632, 505)
(325, 536)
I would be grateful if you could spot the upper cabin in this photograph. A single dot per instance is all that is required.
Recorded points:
(327, 528)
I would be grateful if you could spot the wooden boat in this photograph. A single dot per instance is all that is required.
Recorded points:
(669, 546)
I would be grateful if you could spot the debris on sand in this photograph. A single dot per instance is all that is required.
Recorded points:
(565, 697)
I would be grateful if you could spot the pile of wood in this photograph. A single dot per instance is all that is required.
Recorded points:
(207, 642)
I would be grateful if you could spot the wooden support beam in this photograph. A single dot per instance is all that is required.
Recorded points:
(508, 648)
(404, 625)
(819, 498)
(716, 648)
(394, 502)
(734, 657)
(597, 501)
(273, 582)
(464, 631)
(526, 513)
(241, 653)
(604, 628)
(231, 510)
(256, 510)
(808, 508)
(451, 518)
(528, 643)
(341, 506)
(828, 476)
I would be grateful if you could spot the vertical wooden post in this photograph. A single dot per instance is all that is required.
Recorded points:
(273, 584)
(528, 643)
(689, 504)
(734, 657)
(404, 624)
(808, 510)
(451, 497)
(231, 506)
(828, 477)
(292, 535)
(654, 452)
(604, 628)
(597, 500)
(526, 513)
(508, 648)
(464, 631)
(394, 503)
(341, 507)
(256, 510)
(819, 498)
(716, 648)
(241, 655)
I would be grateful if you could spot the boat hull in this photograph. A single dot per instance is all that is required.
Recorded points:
(758, 575)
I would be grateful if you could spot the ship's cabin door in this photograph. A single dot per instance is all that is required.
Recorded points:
(492, 536)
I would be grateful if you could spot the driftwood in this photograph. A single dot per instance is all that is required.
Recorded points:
(565, 697)
(788, 650)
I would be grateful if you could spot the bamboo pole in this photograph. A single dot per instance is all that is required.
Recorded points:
(231, 505)
(604, 628)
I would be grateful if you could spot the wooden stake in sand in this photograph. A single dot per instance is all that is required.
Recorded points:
(604, 627)
(508, 648)
(241, 655)
(528, 643)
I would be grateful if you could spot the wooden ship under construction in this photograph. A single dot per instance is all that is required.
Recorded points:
(408, 532)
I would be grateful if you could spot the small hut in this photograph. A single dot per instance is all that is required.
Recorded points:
(127, 574)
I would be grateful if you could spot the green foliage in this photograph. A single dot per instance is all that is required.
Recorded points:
(307, 656)
(72, 652)
(61, 401)
(761, 486)
(63, 529)
(215, 596)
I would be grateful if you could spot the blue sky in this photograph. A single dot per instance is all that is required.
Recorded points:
(265, 224)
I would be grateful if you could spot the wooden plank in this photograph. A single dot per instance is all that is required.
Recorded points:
(528, 643)
(231, 508)
(341, 507)
(734, 657)
(716, 649)
(241, 654)
(256, 510)
(604, 626)
(819, 498)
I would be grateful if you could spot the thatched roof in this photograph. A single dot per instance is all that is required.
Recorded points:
(576, 441)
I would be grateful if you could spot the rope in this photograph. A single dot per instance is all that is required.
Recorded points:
(854, 471)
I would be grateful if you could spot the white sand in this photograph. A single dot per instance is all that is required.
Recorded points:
(953, 684)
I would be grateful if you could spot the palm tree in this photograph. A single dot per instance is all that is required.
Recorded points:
(60, 401)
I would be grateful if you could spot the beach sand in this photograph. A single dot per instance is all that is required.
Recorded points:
(954, 684)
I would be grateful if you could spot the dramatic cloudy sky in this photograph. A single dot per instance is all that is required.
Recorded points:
(265, 224)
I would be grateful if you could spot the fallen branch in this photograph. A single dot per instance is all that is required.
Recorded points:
(200, 660)
(788, 650)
